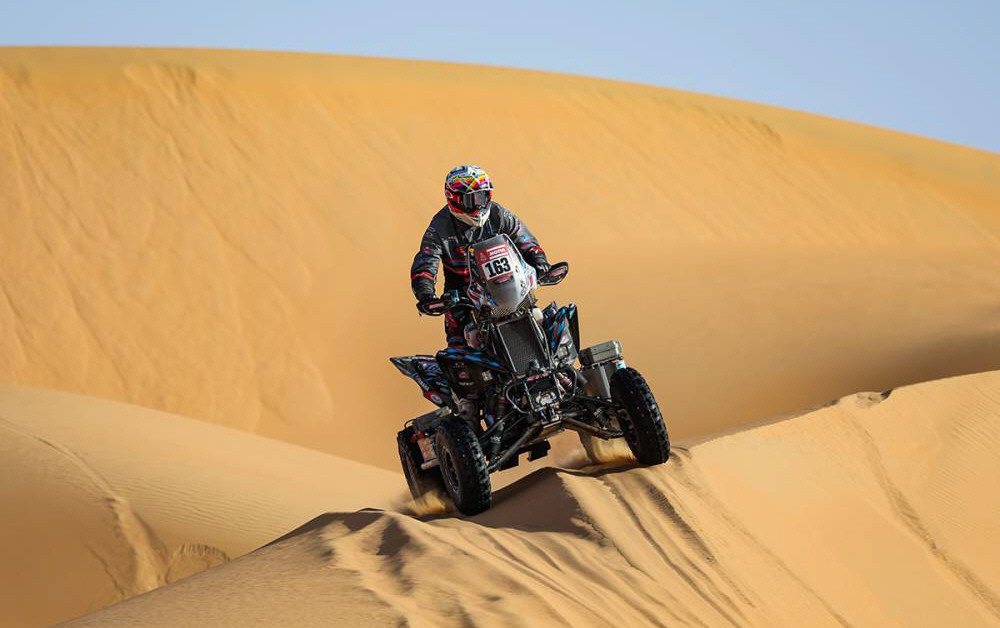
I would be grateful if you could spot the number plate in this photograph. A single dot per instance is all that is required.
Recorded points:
(496, 262)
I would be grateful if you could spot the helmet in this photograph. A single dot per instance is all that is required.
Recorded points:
(470, 193)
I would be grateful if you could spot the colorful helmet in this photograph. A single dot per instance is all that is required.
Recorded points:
(470, 193)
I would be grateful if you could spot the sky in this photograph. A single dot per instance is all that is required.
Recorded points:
(926, 67)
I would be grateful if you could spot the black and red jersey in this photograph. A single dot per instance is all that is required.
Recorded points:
(446, 240)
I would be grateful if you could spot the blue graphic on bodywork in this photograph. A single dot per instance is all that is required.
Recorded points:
(427, 373)
(556, 321)
(476, 357)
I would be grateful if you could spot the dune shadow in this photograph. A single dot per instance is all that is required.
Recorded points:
(541, 501)
(352, 520)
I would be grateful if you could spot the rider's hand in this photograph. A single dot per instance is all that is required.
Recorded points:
(431, 306)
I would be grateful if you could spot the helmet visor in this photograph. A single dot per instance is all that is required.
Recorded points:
(475, 202)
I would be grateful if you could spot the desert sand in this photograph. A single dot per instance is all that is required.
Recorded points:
(105, 500)
(227, 236)
(222, 239)
(821, 520)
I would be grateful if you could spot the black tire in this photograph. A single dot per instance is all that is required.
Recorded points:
(463, 467)
(642, 421)
(420, 481)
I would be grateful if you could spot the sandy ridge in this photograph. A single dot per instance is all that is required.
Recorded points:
(108, 500)
(905, 512)
(147, 569)
(704, 540)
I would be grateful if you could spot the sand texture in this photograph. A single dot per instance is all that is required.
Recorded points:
(880, 510)
(103, 500)
(227, 236)
(204, 265)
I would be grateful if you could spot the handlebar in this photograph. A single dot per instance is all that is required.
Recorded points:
(556, 273)
(448, 301)
(452, 299)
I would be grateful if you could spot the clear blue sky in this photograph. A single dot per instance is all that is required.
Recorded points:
(926, 67)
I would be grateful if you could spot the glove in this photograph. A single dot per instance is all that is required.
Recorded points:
(436, 307)
(541, 267)
(430, 305)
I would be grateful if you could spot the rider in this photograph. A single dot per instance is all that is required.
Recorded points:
(470, 215)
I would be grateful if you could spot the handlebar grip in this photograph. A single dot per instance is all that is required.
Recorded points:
(447, 301)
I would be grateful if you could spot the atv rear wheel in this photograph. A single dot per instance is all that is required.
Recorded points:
(642, 421)
(463, 467)
(419, 480)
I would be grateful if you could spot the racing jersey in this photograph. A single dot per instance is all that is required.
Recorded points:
(446, 241)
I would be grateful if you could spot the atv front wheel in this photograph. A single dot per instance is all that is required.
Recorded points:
(463, 467)
(642, 421)
(419, 480)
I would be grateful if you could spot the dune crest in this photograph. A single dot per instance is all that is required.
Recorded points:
(871, 511)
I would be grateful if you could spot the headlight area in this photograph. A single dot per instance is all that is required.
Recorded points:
(546, 398)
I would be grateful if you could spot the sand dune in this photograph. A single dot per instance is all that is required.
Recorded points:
(227, 235)
(861, 513)
(104, 501)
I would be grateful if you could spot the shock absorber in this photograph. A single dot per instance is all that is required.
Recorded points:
(499, 410)
(489, 411)
(496, 437)
(570, 380)
(564, 382)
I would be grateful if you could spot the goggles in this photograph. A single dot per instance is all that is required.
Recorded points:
(475, 202)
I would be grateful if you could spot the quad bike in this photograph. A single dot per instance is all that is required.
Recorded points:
(515, 385)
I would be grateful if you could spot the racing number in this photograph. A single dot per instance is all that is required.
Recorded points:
(496, 267)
